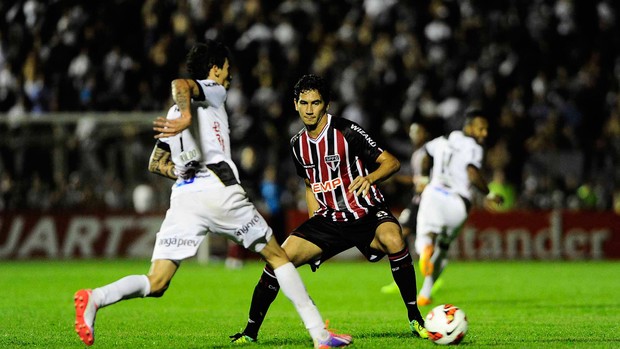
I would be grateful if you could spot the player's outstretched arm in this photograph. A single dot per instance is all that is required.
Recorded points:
(160, 162)
(182, 92)
(388, 165)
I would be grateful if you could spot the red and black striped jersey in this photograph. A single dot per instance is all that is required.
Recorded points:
(342, 152)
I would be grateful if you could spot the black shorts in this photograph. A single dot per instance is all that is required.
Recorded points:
(335, 237)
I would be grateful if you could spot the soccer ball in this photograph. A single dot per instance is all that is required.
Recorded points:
(446, 324)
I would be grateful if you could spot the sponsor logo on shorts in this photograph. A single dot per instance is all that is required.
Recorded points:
(381, 214)
(244, 229)
(177, 242)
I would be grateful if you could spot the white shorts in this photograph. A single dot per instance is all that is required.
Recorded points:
(219, 210)
(441, 212)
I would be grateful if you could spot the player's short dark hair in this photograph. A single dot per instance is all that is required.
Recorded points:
(203, 56)
(472, 113)
(312, 82)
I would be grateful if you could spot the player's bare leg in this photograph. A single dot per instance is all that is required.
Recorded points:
(293, 288)
(438, 261)
(87, 302)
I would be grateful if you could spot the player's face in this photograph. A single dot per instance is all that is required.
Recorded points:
(478, 129)
(311, 109)
(417, 134)
(222, 75)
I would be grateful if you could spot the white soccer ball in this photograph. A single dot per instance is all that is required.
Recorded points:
(446, 324)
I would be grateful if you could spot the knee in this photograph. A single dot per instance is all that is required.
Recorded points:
(158, 286)
(392, 240)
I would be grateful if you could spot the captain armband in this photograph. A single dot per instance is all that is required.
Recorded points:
(160, 162)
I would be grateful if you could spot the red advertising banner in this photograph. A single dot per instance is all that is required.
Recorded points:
(556, 235)
(64, 236)
(540, 235)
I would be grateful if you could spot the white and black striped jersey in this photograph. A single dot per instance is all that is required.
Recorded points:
(342, 152)
(212, 150)
(451, 156)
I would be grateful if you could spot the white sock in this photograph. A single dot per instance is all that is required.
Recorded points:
(294, 289)
(132, 286)
(427, 286)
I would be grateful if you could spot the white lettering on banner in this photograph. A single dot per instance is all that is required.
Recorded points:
(43, 238)
(98, 235)
(116, 225)
(87, 236)
(143, 245)
(490, 244)
(14, 233)
(513, 238)
(575, 244)
(547, 244)
(597, 239)
(82, 235)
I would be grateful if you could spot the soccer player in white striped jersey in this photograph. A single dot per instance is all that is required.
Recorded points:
(419, 164)
(446, 200)
(206, 198)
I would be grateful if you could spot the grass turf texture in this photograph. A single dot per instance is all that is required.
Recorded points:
(509, 305)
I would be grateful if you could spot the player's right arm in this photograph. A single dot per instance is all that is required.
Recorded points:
(311, 202)
(182, 92)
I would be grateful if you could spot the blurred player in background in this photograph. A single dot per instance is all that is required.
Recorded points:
(206, 197)
(419, 164)
(341, 165)
(447, 199)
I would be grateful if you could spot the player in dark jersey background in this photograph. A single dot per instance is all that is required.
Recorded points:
(341, 165)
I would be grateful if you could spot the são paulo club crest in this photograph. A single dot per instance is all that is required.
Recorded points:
(332, 161)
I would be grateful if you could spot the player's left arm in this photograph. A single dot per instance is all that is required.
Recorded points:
(477, 180)
(182, 92)
(160, 161)
(388, 165)
(421, 181)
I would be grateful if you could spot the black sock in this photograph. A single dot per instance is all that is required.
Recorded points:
(404, 276)
(265, 293)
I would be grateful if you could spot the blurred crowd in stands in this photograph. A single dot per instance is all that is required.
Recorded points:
(546, 71)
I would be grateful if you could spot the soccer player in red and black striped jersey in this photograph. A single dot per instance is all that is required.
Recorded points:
(341, 165)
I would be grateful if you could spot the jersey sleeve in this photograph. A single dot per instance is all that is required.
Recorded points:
(173, 113)
(431, 146)
(211, 92)
(360, 140)
(294, 148)
(183, 147)
(476, 155)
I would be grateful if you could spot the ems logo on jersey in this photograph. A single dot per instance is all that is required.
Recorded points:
(332, 161)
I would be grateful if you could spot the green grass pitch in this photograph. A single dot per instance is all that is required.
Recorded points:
(509, 305)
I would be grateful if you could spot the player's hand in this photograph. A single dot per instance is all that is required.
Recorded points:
(420, 182)
(360, 185)
(493, 201)
(168, 128)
